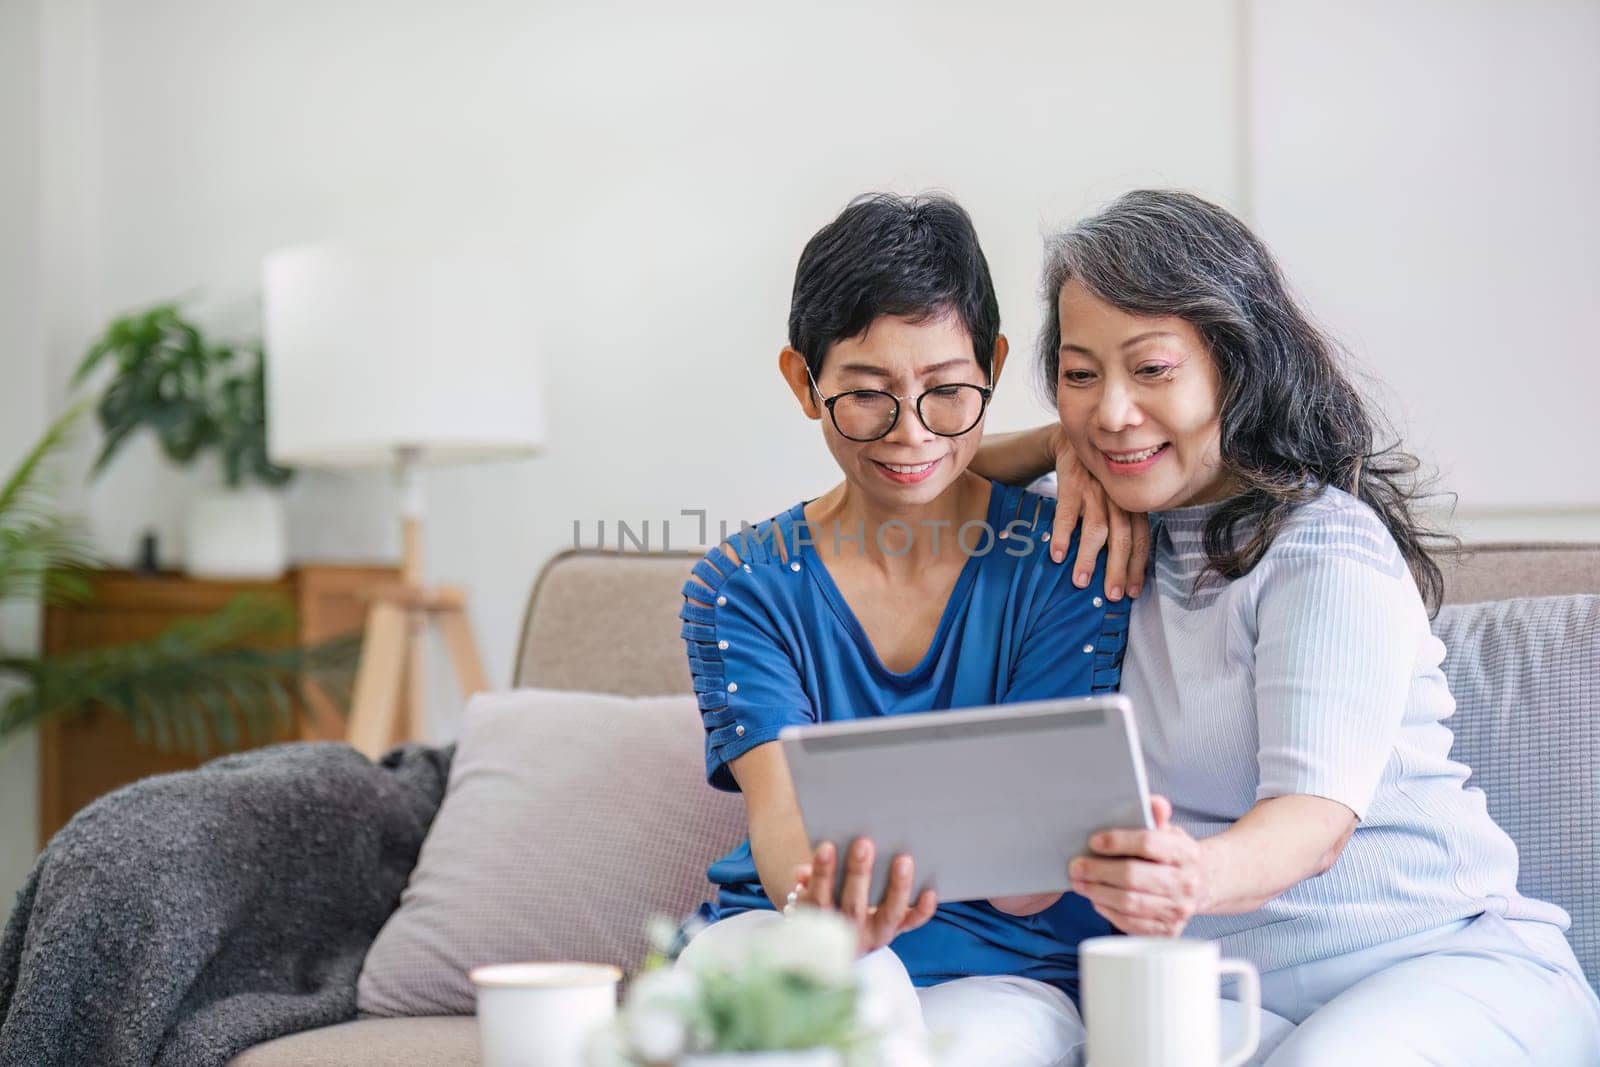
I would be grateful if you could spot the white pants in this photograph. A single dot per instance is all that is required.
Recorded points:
(983, 1021)
(1483, 991)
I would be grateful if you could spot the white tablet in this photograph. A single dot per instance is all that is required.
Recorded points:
(989, 802)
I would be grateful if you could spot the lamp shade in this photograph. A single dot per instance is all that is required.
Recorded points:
(373, 352)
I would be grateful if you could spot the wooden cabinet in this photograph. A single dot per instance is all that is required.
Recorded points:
(83, 757)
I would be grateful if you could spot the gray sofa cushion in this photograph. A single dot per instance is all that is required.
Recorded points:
(570, 820)
(1526, 678)
(451, 1040)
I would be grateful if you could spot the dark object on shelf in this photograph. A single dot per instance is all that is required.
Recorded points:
(149, 558)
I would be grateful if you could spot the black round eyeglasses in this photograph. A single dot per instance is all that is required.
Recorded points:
(869, 414)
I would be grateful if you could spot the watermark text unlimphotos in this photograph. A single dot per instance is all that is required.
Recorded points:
(892, 537)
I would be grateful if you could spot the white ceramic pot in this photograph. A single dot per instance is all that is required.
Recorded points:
(1152, 1002)
(542, 1014)
(236, 533)
(811, 1057)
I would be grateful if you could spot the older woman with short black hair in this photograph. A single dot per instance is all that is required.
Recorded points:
(911, 585)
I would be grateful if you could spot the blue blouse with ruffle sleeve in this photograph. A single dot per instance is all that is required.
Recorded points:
(772, 641)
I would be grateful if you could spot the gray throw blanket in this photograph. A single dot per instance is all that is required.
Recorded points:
(184, 918)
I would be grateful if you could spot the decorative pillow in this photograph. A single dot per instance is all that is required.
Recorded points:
(570, 819)
(1526, 678)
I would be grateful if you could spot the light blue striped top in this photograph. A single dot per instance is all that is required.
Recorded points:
(1315, 673)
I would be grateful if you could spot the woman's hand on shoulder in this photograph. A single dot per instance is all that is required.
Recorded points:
(1124, 536)
(1149, 882)
(876, 924)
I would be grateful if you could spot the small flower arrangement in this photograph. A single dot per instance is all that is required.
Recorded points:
(789, 986)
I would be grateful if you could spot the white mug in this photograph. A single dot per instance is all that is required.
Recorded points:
(1154, 1002)
(542, 1014)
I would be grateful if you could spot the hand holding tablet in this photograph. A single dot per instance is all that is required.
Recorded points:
(878, 921)
(986, 802)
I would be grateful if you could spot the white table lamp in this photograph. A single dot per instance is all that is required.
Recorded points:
(389, 357)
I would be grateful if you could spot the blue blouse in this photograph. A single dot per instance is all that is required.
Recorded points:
(772, 641)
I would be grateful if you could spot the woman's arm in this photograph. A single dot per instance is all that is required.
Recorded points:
(726, 629)
(1338, 627)
(1154, 881)
(785, 860)
(1020, 457)
(1277, 845)
(777, 832)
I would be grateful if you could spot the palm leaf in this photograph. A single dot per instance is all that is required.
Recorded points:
(45, 560)
(42, 553)
(200, 681)
(24, 480)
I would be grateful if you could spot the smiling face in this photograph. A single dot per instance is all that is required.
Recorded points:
(911, 466)
(1140, 400)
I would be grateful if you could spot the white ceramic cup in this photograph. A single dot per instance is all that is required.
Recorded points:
(1154, 1002)
(542, 1014)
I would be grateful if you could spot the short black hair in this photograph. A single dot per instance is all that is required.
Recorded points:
(913, 257)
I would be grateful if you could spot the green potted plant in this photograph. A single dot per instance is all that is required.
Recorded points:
(198, 684)
(199, 399)
(787, 996)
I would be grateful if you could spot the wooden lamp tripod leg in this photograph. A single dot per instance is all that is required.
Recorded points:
(390, 698)
(457, 630)
(390, 692)
(410, 719)
(390, 695)
(375, 704)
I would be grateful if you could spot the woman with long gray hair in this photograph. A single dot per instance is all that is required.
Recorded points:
(1280, 663)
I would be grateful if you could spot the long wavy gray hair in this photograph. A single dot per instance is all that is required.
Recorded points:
(1292, 422)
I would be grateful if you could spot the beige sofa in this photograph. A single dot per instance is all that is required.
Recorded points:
(607, 622)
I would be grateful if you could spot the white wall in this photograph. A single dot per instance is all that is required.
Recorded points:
(1428, 173)
(47, 296)
(22, 391)
(666, 161)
